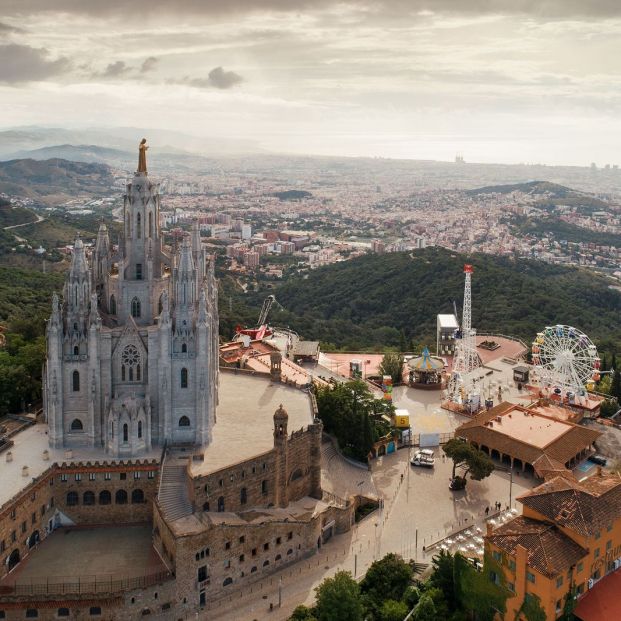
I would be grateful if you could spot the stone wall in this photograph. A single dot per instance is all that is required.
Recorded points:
(26, 520)
(255, 475)
(256, 480)
(87, 493)
(107, 493)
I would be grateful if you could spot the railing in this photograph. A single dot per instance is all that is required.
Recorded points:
(83, 585)
(334, 499)
(443, 438)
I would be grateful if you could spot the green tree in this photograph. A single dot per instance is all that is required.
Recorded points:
(425, 610)
(339, 599)
(386, 579)
(443, 577)
(615, 386)
(303, 613)
(351, 413)
(531, 609)
(471, 460)
(392, 364)
(393, 611)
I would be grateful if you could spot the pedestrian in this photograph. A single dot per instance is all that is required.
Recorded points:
(486, 511)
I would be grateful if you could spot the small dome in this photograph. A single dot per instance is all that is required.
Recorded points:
(281, 412)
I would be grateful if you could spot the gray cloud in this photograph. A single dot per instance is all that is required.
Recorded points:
(115, 70)
(22, 63)
(555, 9)
(8, 29)
(218, 78)
(149, 64)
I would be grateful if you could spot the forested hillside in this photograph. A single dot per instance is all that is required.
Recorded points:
(393, 299)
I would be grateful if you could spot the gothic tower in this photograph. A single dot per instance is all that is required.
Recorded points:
(133, 351)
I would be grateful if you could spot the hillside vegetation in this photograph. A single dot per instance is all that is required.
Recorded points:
(391, 300)
(561, 230)
(48, 181)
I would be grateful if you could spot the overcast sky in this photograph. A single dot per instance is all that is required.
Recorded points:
(519, 81)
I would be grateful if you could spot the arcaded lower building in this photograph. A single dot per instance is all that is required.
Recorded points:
(96, 525)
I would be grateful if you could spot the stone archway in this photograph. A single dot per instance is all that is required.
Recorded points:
(14, 559)
(34, 539)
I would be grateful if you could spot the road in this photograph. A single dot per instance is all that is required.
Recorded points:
(16, 226)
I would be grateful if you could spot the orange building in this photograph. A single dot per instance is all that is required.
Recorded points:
(567, 539)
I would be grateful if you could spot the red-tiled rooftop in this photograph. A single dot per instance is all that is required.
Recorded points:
(583, 506)
(549, 551)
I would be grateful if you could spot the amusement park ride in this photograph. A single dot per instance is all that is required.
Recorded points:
(566, 362)
(461, 388)
(262, 330)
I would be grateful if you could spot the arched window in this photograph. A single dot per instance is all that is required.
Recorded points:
(105, 497)
(264, 487)
(135, 307)
(184, 348)
(76, 425)
(88, 498)
(125, 433)
(121, 497)
(112, 305)
(184, 421)
(130, 360)
(205, 506)
(76, 350)
(137, 497)
(227, 581)
(139, 429)
(75, 382)
(243, 496)
(138, 230)
(221, 504)
(297, 474)
(72, 499)
(150, 224)
(184, 378)
(160, 305)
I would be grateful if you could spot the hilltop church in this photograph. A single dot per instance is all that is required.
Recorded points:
(132, 352)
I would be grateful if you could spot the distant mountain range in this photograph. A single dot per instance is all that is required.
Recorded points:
(117, 143)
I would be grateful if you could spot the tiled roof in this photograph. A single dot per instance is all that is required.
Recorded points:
(550, 552)
(584, 507)
(559, 450)
(546, 466)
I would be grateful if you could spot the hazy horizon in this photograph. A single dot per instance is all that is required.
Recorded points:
(499, 82)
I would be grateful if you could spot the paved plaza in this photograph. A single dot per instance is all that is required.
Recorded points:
(88, 553)
(418, 510)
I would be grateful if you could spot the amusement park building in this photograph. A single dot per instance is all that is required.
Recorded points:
(525, 438)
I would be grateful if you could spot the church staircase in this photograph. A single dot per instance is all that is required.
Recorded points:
(173, 493)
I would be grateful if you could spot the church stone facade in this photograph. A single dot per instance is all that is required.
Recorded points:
(132, 351)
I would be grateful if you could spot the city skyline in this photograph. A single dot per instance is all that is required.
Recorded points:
(526, 82)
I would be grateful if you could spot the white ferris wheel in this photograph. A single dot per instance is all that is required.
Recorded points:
(566, 360)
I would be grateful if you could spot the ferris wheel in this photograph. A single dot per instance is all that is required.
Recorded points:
(566, 360)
